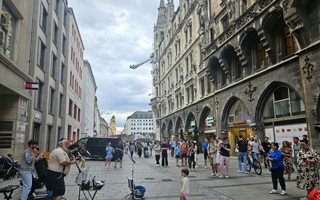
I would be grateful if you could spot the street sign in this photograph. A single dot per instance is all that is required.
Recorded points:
(32, 85)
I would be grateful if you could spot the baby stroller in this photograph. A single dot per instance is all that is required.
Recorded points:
(8, 168)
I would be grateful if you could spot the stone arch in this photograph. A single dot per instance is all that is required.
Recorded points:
(203, 116)
(191, 117)
(170, 129)
(231, 64)
(179, 126)
(266, 92)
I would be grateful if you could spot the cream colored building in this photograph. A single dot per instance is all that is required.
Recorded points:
(15, 70)
(74, 90)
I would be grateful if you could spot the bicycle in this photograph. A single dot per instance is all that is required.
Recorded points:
(255, 164)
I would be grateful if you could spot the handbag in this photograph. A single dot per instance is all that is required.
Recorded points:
(314, 194)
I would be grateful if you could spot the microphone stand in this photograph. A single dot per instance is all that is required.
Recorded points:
(130, 182)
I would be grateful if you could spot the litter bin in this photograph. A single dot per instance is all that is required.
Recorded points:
(139, 191)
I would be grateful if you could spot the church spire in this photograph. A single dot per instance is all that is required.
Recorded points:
(161, 14)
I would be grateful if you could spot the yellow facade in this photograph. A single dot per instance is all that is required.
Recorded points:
(113, 125)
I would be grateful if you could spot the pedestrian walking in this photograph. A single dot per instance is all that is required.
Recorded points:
(266, 146)
(205, 151)
(192, 152)
(212, 152)
(277, 169)
(242, 146)
(157, 152)
(139, 148)
(164, 153)
(225, 156)
(183, 153)
(27, 165)
(184, 183)
(177, 154)
(118, 154)
(109, 154)
(296, 148)
(132, 148)
(308, 172)
(286, 155)
(172, 145)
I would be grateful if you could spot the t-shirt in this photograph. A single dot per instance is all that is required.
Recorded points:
(177, 151)
(157, 149)
(119, 149)
(57, 157)
(212, 148)
(266, 146)
(164, 147)
(205, 147)
(255, 146)
(225, 152)
(184, 148)
(173, 144)
(242, 146)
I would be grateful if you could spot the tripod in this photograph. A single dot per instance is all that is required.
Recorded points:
(130, 182)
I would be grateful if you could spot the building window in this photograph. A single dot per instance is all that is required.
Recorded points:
(202, 87)
(290, 43)
(75, 110)
(41, 54)
(63, 69)
(7, 32)
(53, 65)
(60, 104)
(263, 59)
(64, 41)
(79, 114)
(70, 107)
(56, 6)
(51, 104)
(38, 96)
(225, 22)
(49, 137)
(43, 19)
(208, 85)
(55, 34)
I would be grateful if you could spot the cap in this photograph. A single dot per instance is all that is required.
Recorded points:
(62, 140)
(194, 141)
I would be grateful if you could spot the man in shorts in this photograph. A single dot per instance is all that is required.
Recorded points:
(58, 167)
(183, 153)
(212, 152)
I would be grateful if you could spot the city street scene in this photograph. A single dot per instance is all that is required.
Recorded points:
(160, 99)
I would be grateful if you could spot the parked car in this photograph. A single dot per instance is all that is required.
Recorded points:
(96, 146)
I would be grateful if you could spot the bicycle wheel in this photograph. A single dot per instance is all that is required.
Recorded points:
(249, 164)
(257, 167)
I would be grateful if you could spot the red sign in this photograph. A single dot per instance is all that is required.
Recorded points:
(32, 85)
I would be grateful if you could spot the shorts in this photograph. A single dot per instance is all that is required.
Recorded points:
(177, 156)
(212, 160)
(183, 155)
(55, 183)
(184, 195)
(118, 156)
(205, 155)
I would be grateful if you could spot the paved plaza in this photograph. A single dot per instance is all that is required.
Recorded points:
(164, 182)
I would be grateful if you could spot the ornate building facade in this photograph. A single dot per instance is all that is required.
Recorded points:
(232, 67)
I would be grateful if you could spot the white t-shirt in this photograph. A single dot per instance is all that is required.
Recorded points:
(57, 157)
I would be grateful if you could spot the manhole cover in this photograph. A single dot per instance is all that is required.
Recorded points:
(149, 179)
(166, 180)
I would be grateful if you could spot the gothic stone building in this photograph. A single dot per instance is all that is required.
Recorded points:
(231, 67)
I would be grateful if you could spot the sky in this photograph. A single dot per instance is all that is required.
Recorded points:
(117, 34)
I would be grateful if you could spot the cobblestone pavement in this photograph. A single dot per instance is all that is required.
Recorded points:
(164, 182)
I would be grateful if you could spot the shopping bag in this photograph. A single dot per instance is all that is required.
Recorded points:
(314, 194)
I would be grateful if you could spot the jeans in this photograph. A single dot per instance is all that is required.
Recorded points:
(276, 174)
(256, 155)
(26, 178)
(242, 156)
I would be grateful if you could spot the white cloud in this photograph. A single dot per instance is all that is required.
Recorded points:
(116, 34)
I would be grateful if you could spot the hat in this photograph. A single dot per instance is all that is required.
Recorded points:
(63, 139)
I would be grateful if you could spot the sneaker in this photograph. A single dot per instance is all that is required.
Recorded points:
(283, 192)
(245, 172)
(217, 174)
(239, 171)
(273, 191)
(227, 176)
(213, 174)
(205, 167)
(220, 176)
(304, 198)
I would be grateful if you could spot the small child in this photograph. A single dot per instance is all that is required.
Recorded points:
(184, 184)
(177, 153)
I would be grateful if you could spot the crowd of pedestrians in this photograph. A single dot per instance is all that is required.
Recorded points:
(280, 160)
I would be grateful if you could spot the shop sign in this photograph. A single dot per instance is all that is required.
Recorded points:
(240, 121)
(287, 132)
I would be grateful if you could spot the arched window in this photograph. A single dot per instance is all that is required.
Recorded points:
(283, 102)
